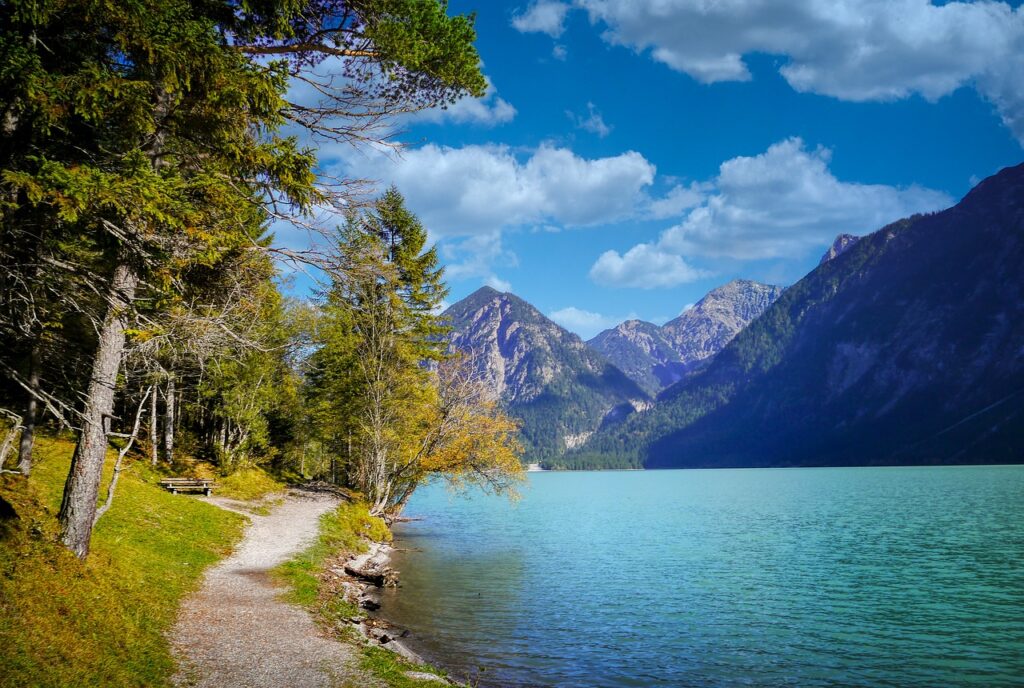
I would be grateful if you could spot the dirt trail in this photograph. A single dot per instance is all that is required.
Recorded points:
(235, 631)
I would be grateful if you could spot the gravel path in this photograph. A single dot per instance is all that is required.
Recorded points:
(236, 632)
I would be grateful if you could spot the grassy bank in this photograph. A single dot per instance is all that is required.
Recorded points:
(343, 532)
(102, 622)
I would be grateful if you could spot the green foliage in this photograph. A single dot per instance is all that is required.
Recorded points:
(64, 622)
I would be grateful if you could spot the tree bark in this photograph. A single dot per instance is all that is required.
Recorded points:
(28, 434)
(169, 420)
(154, 434)
(78, 507)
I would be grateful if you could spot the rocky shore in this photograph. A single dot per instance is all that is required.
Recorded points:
(360, 580)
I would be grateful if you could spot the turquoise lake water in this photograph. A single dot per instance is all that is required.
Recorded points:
(796, 577)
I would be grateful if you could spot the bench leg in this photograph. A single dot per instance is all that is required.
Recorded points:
(206, 492)
(173, 491)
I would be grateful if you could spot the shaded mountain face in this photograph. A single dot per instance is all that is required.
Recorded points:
(656, 357)
(906, 348)
(559, 388)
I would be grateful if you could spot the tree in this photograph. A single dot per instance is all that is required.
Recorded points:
(145, 135)
(385, 393)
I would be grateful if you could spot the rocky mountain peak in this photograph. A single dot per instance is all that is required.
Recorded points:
(542, 373)
(841, 243)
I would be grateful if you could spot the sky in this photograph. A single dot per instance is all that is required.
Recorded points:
(631, 155)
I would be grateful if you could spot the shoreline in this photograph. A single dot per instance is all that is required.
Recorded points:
(361, 580)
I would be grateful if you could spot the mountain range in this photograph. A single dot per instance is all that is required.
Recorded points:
(656, 357)
(559, 388)
(905, 346)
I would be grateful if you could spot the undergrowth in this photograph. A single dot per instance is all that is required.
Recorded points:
(101, 622)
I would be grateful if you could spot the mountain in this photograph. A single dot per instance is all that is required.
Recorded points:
(655, 357)
(906, 348)
(641, 351)
(559, 388)
(841, 243)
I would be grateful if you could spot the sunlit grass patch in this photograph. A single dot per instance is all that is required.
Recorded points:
(64, 622)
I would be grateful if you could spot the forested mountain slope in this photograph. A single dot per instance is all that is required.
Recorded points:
(906, 348)
(559, 388)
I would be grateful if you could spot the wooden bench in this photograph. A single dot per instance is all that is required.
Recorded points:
(176, 485)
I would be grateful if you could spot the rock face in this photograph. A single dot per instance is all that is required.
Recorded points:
(642, 352)
(841, 243)
(656, 357)
(906, 348)
(544, 375)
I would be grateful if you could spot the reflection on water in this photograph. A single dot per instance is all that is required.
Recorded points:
(866, 576)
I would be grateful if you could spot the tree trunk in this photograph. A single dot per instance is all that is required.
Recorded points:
(78, 507)
(169, 421)
(154, 433)
(28, 434)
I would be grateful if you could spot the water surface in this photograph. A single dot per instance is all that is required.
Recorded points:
(802, 577)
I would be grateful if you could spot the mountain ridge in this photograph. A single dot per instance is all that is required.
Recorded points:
(656, 357)
(907, 347)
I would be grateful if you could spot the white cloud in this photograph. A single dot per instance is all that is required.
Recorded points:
(859, 50)
(585, 323)
(592, 122)
(542, 16)
(678, 199)
(490, 110)
(476, 189)
(784, 202)
(644, 266)
(476, 256)
(496, 282)
(559, 52)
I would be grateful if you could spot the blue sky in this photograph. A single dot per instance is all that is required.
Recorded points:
(634, 154)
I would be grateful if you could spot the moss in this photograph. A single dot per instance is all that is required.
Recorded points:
(64, 622)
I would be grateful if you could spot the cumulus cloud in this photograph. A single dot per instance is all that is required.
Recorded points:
(542, 16)
(858, 50)
(592, 122)
(585, 323)
(784, 202)
(678, 199)
(477, 189)
(476, 256)
(644, 266)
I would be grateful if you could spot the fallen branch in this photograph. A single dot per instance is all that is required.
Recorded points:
(122, 452)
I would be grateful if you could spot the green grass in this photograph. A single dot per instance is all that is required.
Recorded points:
(248, 484)
(101, 622)
(345, 529)
(348, 529)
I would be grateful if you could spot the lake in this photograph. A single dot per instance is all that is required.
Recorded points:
(774, 577)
